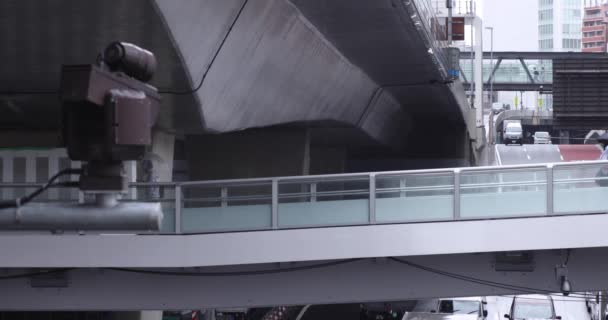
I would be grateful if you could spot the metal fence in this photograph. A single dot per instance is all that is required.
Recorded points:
(376, 197)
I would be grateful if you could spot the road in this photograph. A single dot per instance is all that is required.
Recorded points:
(527, 154)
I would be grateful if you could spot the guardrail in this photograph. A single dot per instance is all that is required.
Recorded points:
(375, 198)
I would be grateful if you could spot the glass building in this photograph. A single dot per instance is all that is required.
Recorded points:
(560, 25)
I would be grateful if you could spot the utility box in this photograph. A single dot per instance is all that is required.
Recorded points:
(453, 62)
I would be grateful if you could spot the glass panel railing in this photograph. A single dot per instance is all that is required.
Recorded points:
(323, 203)
(214, 208)
(414, 197)
(503, 193)
(346, 200)
(581, 189)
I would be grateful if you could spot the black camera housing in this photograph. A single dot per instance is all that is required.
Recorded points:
(107, 116)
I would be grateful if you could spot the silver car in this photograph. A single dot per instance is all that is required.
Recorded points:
(542, 137)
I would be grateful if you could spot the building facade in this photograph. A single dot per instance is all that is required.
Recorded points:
(594, 26)
(560, 25)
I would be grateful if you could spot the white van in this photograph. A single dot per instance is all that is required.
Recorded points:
(513, 133)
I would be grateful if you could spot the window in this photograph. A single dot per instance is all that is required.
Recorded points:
(571, 28)
(593, 34)
(546, 29)
(572, 3)
(459, 307)
(546, 44)
(544, 15)
(572, 13)
(571, 43)
(529, 309)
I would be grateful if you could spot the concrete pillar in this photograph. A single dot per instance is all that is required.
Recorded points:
(249, 154)
(157, 165)
(327, 160)
(161, 156)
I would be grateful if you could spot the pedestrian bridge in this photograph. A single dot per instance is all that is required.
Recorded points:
(326, 239)
(354, 205)
(385, 198)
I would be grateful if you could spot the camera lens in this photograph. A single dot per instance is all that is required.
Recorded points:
(134, 61)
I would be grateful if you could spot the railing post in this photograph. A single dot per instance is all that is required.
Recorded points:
(224, 196)
(178, 208)
(402, 186)
(549, 189)
(456, 194)
(372, 198)
(275, 204)
(313, 192)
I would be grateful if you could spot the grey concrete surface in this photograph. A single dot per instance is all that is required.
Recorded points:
(528, 153)
(274, 68)
(40, 36)
(260, 153)
(365, 280)
(379, 37)
(359, 64)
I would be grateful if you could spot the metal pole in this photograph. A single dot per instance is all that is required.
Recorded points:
(275, 204)
(550, 189)
(372, 198)
(178, 209)
(449, 5)
(491, 63)
(602, 305)
(457, 194)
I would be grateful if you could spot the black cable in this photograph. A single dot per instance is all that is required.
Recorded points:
(489, 283)
(217, 52)
(24, 92)
(5, 204)
(575, 299)
(475, 280)
(466, 278)
(34, 274)
(66, 184)
(237, 273)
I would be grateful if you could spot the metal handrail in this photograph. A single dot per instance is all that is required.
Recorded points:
(457, 175)
(336, 177)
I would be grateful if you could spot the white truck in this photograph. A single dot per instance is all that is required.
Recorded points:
(512, 132)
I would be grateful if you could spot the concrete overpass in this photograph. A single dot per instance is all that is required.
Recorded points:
(232, 65)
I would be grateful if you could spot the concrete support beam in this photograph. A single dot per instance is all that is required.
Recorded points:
(348, 282)
(249, 154)
(161, 156)
(228, 46)
(157, 165)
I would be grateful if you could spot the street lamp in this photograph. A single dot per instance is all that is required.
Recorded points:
(491, 115)
(491, 64)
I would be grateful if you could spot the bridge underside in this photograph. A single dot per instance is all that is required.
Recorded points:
(326, 265)
(366, 280)
(264, 63)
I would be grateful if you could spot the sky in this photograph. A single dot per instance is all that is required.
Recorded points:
(515, 24)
